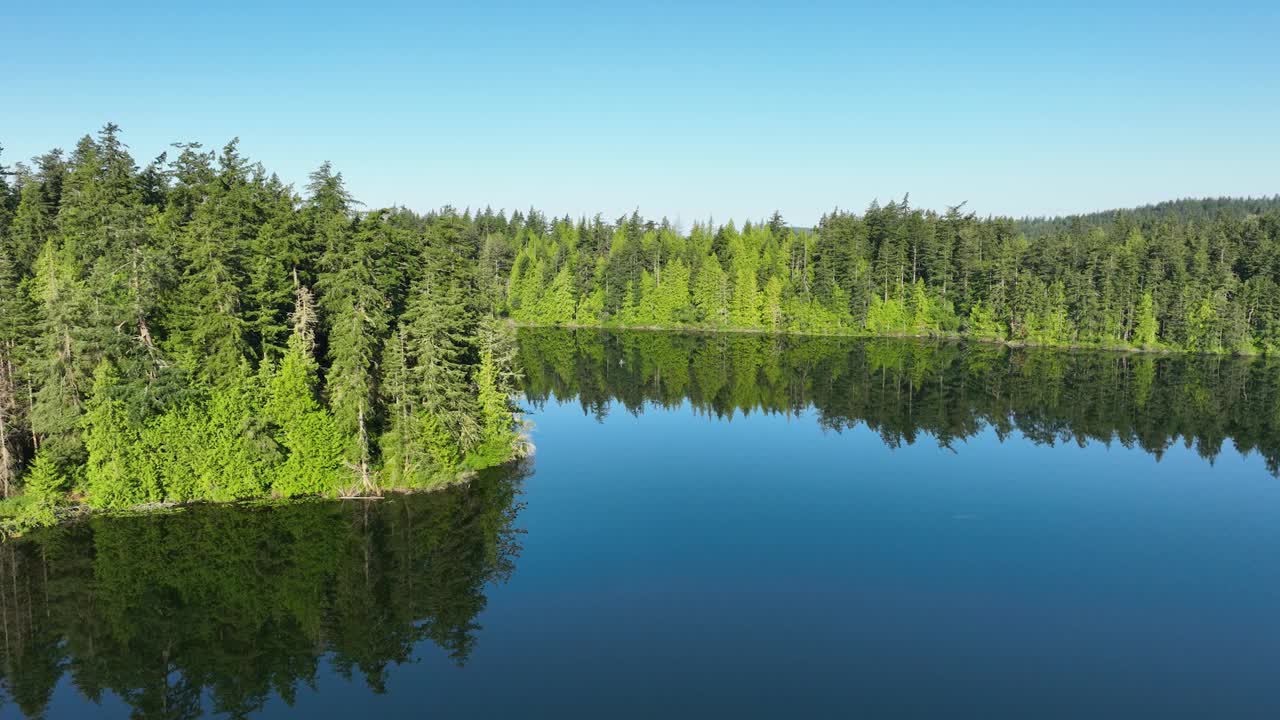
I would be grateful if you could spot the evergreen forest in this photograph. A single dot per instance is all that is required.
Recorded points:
(194, 328)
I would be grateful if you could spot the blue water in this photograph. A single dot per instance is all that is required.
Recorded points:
(675, 564)
(761, 567)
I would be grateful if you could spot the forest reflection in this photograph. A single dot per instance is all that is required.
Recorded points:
(908, 389)
(219, 608)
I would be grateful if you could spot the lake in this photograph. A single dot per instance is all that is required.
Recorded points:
(721, 525)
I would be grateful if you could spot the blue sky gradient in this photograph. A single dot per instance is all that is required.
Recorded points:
(690, 111)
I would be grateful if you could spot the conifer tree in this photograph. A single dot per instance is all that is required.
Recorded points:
(210, 334)
(110, 441)
(307, 432)
(62, 365)
(1145, 329)
(710, 292)
(45, 485)
(357, 318)
(671, 303)
(17, 317)
(771, 312)
(33, 223)
(496, 383)
(278, 251)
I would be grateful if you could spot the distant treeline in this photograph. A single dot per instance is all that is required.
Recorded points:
(193, 329)
(1202, 277)
(908, 389)
(215, 610)
(1187, 210)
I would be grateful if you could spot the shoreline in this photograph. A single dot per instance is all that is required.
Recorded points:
(69, 514)
(942, 337)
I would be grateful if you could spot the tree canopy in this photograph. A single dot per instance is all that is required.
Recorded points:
(193, 328)
(196, 330)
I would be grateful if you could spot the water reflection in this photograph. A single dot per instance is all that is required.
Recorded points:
(219, 608)
(225, 609)
(903, 389)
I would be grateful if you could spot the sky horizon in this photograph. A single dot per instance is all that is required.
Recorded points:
(689, 112)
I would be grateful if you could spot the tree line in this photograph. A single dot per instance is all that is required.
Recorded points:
(196, 329)
(1189, 276)
(909, 390)
(193, 328)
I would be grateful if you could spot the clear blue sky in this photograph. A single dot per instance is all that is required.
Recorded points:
(689, 111)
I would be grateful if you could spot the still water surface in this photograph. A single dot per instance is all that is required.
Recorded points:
(721, 526)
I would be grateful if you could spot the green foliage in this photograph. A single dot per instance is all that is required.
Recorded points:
(38, 507)
(1145, 329)
(772, 315)
(112, 446)
(887, 317)
(149, 351)
(556, 306)
(232, 457)
(306, 431)
(1201, 326)
(497, 382)
(899, 270)
(711, 292)
(591, 309)
(983, 325)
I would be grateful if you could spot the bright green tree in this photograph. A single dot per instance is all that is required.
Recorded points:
(314, 444)
(1145, 327)
(711, 292)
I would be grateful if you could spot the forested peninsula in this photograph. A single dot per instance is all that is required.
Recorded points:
(195, 329)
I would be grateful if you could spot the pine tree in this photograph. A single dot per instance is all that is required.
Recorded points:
(744, 311)
(556, 306)
(672, 304)
(433, 354)
(710, 291)
(278, 252)
(982, 324)
(771, 312)
(33, 224)
(1145, 328)
(17, 317)
(211, 334)
(314, 444)
(357, 318)
(62, 365)
(111, 443)
(398, 448)
(497, 382)
(45, 485)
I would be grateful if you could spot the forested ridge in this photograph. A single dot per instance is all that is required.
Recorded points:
(193, 329)
(1186, 210)
(1189, 276)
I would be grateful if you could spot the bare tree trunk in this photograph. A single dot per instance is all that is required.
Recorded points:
(31, 403)
(8, 403)
(6, 459)
(364, 454)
